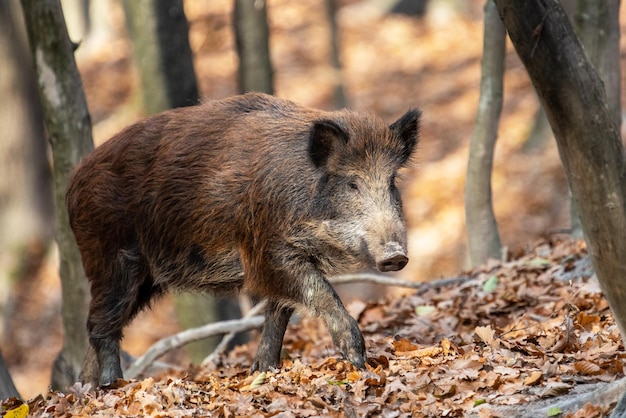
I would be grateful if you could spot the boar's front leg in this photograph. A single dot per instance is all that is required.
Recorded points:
(308, 287)
(268, 353)
(320, 297)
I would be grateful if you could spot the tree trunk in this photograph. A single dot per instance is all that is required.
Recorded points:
(7, 388)
(597, 25)
(589, 143)
(159, 32)
(482, 231)
(339, 96)
(539, 134)
(252, 38)
(69, 132)
(168, 81)
(27, 211)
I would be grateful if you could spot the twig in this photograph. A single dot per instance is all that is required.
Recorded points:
(219, 349)
(170, 343)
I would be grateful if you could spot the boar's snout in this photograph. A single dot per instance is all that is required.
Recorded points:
(393, 258)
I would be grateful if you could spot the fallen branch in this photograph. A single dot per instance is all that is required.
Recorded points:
(374, 278)
(212, 359)
(392, 281)
(165, 345)
(599, 394)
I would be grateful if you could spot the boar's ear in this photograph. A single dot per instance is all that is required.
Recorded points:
(325, 136)
(407, 130)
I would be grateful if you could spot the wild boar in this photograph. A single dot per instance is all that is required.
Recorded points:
(249, 193)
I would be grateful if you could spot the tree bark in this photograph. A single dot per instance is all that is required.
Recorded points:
(69, 132)
(159, 32)
(482, 230)
(597, 25)
(252, 38)
(589, 143)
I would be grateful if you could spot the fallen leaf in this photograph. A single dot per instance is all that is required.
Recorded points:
(491, 284)
(553, 411)
(446, 346)
(257, 381)
(19, 412)
(486, 334)
(445, 393)
(424, 310)
(555, 389)
(403, 345)
(533, 378)
(587, 367)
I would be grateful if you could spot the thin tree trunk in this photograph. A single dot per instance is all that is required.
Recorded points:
(7, 388)
(252, 37)
(597, 25)
(69, 132)
(482, 231)
(339, 96)
(589, 143)
(159, 31)
(539, 134)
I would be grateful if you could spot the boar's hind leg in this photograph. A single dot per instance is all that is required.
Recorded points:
(276, 320)
(115, 301)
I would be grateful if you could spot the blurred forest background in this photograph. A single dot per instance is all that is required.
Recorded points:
(390, 61)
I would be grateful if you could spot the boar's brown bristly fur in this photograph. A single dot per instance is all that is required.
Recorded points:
(252, 193)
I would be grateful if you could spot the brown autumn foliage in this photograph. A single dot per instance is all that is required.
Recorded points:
(507, 333)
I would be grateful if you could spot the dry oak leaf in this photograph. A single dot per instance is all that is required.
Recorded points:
(486, 334)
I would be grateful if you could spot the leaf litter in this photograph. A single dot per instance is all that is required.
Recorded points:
(541, 330)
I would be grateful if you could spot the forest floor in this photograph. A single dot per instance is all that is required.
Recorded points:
(438, 351)
(534, 334)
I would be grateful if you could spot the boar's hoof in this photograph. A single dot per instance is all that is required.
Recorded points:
(352, 345)
(394, 258)
(110, 380)
(263, 363)
(356, 355)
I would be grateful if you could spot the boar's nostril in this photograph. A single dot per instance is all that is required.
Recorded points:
(393, 262)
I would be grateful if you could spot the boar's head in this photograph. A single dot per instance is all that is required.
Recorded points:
(356, 197)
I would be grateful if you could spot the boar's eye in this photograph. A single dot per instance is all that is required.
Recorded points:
(353, 185)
